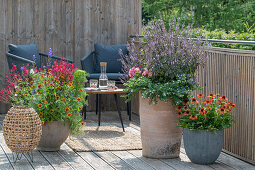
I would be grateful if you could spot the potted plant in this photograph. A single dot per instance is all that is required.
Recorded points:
(162, 69)
(203, 121)
(57, 95)
(22, 127)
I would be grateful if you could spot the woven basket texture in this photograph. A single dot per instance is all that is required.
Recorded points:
(22, 129)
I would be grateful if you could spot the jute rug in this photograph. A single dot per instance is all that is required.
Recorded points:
(107, 137)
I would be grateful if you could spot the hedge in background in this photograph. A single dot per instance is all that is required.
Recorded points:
(222, 35)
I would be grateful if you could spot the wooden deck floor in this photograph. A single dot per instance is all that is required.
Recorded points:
(66, 158)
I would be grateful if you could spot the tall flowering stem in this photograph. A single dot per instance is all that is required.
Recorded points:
(168, 61)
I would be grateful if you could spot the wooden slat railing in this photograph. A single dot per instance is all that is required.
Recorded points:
(232, 72)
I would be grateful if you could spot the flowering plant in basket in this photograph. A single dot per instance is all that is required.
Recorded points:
(206, 113)
(164, 65)
(55, 93)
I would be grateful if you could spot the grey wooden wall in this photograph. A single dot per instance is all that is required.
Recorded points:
(70, 27)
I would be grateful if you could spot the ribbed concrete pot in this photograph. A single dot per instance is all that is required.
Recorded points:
(203, 147)
(160, 136)
(53, 136)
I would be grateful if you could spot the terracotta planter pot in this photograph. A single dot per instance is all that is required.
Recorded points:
(53, 136)
(160, 136)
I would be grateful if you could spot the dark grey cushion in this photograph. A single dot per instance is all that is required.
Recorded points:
(109, 54)
(26, 51)
(111, 76)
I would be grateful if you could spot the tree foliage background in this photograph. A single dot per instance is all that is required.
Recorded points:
(236, 15)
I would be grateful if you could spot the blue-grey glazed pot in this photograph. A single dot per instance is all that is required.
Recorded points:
(203, 147)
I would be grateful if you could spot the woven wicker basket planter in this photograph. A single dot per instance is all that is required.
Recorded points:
(22, 129)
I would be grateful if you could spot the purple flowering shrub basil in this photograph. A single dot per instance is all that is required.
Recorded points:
(171, 57)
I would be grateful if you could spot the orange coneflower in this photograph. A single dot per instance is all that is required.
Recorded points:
(179, 114)
(78, 99)
(193, 117)
(207, 102)
(212, 95)
(33, 86)
(32, 96)
(224, 98)
(57, 97)
(222, 110)
(51, 84)
(69, 114)
(31, 82)
(42, 122)
(40, 85)
(57, 81)
(20, 80)
(26, 94)
(82, 123)
(200, 95)
(185, 101)
(58, 88)
(80, 108)
(233, 106)
(178, 108)
(63, 99)
(72, 87)
(50, 70)
(40, 105)
(42, 75)
(209, 108)
(67, 109)
(80, 90)
(194, 101)
(202, 111)
(186, 113)
(70, 84)
(42, 100)
(51, 111)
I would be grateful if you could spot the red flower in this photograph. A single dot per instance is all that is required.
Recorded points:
(224, 98)
(178, 108)
(202, 111)
(207, 102)
(212, 95)
(233, 106)
(200, 95)
(193, 117)
(185, 101)
(222, 110)
(194, 101)
(82, 123)
(69, 114)
(186, 113)
(179, 114)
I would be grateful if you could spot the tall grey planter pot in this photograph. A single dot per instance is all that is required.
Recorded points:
(203, 147)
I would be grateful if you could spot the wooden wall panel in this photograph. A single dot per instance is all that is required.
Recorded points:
(69, 27)
(232, 73)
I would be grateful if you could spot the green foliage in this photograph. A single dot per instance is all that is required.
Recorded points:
(177, 89)
(213, 14)
(207, 113)
(222, 35)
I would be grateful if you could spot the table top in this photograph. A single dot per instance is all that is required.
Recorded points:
(99, 91)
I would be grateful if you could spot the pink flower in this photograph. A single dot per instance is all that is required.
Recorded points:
(147, 73)
(133, 71)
